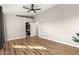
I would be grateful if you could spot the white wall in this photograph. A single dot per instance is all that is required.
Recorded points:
(15, 27)
(59, 24)
(33, 29)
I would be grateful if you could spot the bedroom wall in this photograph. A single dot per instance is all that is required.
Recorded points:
(15, 27)
(59, 24)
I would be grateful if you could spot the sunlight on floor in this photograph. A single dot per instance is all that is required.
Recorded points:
(19, 46)
(30, 47)
(36, 47)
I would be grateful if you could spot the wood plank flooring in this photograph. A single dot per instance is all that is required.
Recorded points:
(37, 46)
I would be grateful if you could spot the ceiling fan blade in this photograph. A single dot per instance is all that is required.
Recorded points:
(25, 16)
(37, 9)
(20, 15)
(34, 11)
(26, 8)
(29, 11)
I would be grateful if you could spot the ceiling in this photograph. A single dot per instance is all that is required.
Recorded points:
(17, 9)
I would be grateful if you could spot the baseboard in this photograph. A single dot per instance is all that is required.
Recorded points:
(70, 44)
(18, 38)
(15, 38)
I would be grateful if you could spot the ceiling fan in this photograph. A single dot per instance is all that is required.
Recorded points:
(32, 8)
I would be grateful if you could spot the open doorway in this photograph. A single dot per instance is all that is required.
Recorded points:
(28, 32)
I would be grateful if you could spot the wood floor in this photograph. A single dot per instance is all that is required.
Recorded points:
(37, 46)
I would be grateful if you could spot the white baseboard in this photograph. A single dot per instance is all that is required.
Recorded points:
(70, 44)
(15, 38)
(18, 38)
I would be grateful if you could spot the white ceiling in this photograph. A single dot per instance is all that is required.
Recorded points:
(17, 9)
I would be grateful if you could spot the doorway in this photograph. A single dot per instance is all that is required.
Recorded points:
(27, 26)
